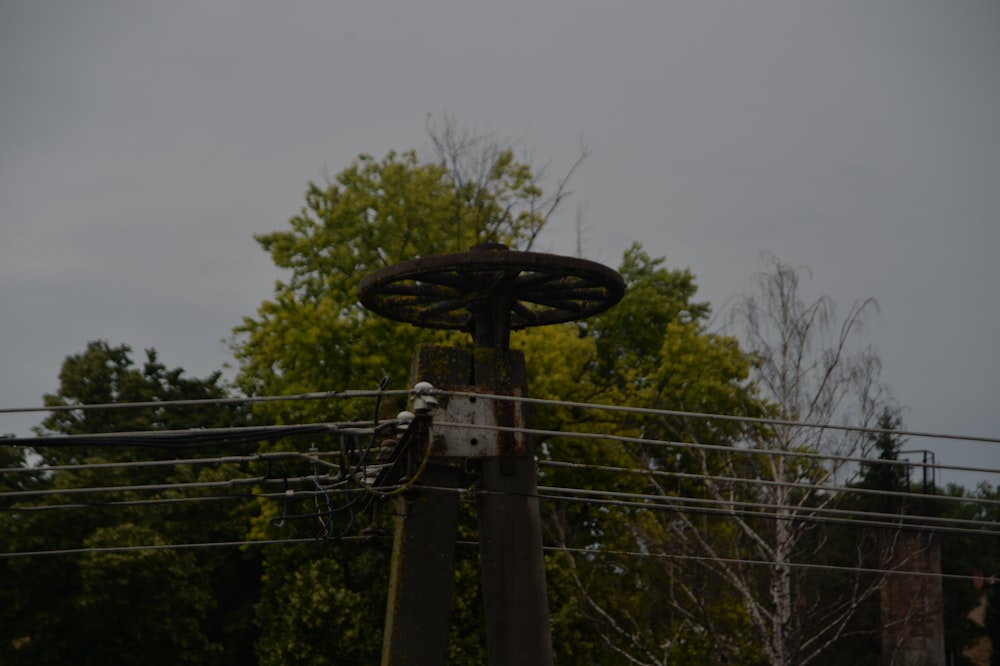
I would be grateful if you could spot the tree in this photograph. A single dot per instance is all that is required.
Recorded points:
(314, 335)
(178, 606)
(653, 351)
(314, 332)
(890, 474)
(970, 554)
(750, 499)
(812, 375)
(731, 491)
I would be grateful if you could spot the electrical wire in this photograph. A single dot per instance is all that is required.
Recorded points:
(198, 402)
(544, 493)
(715, 447)
(715, 417)
(789, 512)
(352, 394)
(176, 546)
(254, 457)
(595, 496)
(707, 506)
(151, 487)
(589, 552)
(191, 438)
(194, 499)
(548, 493)
(739, 561)
(793, 485)
(313, 457)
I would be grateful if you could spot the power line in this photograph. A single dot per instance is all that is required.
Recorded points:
(794, 485)
(710, 506)
(622, 499)
(176, 546)
(313, 457)
(585, 495)
(788, 512)
(554, 493)
(255, 457)
(738, 561)
(196, 437)
(358, 428)
(603, 498)
(352, 394)
(716, 447)
(152, 487)
(717, 417)
(194, 499)
(589, 552)
(198, 402)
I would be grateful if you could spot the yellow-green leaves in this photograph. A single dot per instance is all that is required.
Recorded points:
(313, 335)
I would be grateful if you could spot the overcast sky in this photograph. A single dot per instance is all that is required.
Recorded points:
(142, 144)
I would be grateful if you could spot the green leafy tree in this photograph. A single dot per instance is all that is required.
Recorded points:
(154, 607)
(313, 335)
(686, 599)
(634, 596)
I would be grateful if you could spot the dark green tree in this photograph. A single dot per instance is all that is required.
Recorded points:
(132, 606)
(888, 473)
(970, 554)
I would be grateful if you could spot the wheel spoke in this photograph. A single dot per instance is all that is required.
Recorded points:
(417, 289)
(443, 307)
(536, 280)
(529, 316)
(444, 279)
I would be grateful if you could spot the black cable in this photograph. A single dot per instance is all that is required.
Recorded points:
(156, 404)
(792, 485)
(649, 411)
(176, 546)
(179, 439)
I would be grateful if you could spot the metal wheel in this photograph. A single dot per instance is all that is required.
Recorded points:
(453, 291)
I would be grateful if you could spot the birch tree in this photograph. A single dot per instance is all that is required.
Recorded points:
(814, 373)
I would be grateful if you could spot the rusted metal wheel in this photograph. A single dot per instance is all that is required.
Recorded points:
(455, 291)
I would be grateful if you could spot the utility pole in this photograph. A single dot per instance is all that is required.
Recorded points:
(487, 292)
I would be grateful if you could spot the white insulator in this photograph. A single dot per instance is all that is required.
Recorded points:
(423, 401)
(404, 419)
(421, 388)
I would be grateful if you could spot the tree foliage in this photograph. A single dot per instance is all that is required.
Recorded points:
(156, 607)
(313, 335)
(652, 350)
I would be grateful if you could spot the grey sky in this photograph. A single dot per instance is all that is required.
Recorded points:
(143, 143)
